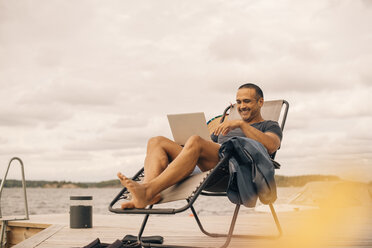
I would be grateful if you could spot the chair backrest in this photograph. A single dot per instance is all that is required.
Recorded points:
(271, 110)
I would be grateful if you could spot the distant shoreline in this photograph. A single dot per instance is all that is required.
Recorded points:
(281, 181)
(61, 184)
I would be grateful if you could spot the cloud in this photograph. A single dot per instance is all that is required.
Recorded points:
(121, 138)
(85, 84)
(75, 92)
(133, 121)
(305, 55)
(31, 115)
(20, 150)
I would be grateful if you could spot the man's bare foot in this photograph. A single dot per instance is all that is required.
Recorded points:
(141, 197)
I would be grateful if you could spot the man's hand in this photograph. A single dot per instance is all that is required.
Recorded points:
(226, 126)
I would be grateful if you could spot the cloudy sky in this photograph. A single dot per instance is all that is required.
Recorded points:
(84, 84)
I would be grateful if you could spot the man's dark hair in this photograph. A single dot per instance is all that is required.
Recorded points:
(258, 90)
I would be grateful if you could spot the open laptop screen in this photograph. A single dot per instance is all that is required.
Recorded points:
(185, 125)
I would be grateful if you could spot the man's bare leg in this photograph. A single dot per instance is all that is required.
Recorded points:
(160, 152)
(196, 151)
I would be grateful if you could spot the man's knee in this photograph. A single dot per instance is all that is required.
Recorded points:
(156, 141)
(194, 142)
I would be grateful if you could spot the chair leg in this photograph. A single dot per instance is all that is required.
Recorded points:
(228, 236)
(280, 231)
(216, 235)
(144, 222)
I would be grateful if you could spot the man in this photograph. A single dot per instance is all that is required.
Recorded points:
(167, 163)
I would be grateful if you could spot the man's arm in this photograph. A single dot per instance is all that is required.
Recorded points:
(269, 140)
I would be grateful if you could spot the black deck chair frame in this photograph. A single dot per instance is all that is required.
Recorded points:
(200, 190)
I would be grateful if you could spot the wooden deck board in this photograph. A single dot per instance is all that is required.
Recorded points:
(38, 238)
(318, 229)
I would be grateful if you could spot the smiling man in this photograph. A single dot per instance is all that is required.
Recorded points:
(167, 163)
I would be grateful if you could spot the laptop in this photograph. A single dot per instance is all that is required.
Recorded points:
(185, 125)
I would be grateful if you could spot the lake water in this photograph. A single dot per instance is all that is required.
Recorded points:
(57, 201)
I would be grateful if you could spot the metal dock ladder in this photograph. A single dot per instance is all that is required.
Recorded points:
(4, 220)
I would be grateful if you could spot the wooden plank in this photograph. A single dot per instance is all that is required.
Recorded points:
(18, 234)
(28, 224)
(40, 237)
(321, 229)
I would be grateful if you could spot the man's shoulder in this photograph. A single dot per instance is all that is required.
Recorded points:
(267, 123)
(271, 123)
(272, 126)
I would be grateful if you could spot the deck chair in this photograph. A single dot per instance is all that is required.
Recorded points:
(200, 184)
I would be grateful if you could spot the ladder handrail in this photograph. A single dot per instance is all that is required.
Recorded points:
(23, 185)
(4, 222)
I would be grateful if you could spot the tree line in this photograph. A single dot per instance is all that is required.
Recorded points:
(281, 181)
(10, 183)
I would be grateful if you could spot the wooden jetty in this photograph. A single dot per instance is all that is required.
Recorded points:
(346, 227)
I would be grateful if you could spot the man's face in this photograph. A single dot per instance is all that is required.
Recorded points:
(248, 104)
